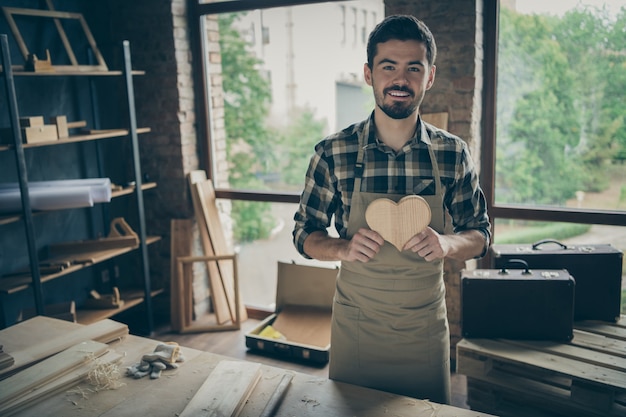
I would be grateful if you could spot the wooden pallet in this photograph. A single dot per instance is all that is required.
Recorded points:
(585, 377)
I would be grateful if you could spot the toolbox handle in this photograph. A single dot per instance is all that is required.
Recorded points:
(514, 262)
(542, 242)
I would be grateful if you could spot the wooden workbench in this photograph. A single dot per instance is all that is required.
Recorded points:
(168, 395)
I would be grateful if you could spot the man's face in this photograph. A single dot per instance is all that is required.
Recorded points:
(399, 77)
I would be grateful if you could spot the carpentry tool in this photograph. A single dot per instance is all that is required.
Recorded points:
(104, 301)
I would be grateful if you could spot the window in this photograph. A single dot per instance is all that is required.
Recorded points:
(270, 103)
(555, 159)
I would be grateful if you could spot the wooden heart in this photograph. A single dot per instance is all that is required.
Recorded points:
(398, 222)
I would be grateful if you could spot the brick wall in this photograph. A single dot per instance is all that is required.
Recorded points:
(165, 98)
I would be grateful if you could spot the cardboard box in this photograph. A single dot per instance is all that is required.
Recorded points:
(304, 299)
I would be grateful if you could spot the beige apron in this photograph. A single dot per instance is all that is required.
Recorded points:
(389, 328)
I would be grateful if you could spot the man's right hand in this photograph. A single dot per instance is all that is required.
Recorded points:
(362, 247)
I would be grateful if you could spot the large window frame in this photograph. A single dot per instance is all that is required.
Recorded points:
(488, 159)
(490, 47)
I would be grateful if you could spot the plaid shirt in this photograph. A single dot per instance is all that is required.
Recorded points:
(330, 178)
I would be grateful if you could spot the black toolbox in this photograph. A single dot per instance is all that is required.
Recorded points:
(597, 270)
(304, 300)
(512, 303)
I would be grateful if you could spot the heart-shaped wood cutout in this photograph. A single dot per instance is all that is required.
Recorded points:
(398, 222)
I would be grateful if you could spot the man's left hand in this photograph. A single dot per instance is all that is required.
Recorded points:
(428, 244)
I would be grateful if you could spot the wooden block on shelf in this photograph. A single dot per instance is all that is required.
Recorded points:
(43, 133)
(30, 121)
(61, 123)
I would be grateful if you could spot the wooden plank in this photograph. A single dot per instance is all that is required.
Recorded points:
(572, 351)
(605, 329)
(92, 245)
(599, 343)
(225, 391)
(181, 245)
(277, 395)
(37, 375)
(218, 295)
(59, 385)
(522, 357)
(40, 348)
(206, 194)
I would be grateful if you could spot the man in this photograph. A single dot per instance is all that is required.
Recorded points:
(389, 325)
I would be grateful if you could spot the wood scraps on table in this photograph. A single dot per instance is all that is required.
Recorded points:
(398, 222)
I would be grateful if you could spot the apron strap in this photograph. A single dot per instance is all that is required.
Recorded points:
(359, 167)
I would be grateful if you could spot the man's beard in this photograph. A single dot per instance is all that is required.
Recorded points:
(398, 110)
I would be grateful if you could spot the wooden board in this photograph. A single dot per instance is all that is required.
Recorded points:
(398, 222)
(206, 193)
(103, 331)
(39, 374)
(181, 245)
(58, 385)
(218, 294)
(225, 391)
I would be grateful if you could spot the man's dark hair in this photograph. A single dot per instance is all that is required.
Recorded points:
(403, 28)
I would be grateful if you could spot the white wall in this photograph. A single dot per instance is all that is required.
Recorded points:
(310, 48)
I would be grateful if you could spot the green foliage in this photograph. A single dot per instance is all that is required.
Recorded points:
(532, 234)
(298, 141)
(247, 97)
(560, 104)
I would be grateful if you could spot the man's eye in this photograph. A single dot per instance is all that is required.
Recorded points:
(414, 69)
(388, 68)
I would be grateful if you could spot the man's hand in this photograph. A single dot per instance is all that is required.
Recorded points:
(428, 244)
(462, 246)
(363, 246)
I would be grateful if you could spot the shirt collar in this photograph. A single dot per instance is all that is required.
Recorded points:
(371, 141)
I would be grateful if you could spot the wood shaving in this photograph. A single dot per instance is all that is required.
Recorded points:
(105, 376)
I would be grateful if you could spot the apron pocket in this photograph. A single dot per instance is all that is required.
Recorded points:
(344, 342)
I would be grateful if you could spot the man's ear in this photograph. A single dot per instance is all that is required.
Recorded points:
(431, 77)
(367, 74)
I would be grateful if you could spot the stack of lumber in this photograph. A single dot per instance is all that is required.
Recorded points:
(52, 363)
(219, 258)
